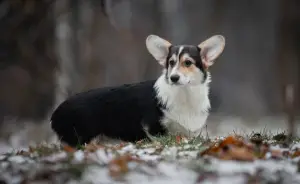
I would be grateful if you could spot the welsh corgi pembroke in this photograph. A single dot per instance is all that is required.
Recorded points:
(177, 102)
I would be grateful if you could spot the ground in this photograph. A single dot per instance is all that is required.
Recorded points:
(251, 159)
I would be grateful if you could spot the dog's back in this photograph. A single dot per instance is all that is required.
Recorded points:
(116, 112)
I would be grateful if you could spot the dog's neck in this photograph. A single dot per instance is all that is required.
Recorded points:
(189, 96)
(186, 106)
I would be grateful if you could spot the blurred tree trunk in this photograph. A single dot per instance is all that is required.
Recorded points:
(27, 58)
(95, 74)
(289, 60)
(175, 24)
(145, 20)
(151, 66)
(69, 73)
(63, 49)
(77, 74)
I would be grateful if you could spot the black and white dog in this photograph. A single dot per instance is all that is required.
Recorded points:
(177, 102)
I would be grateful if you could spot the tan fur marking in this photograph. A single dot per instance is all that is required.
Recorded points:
(184, 69)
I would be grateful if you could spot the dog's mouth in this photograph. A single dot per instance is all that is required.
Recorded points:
(179, 84)
(176, 84)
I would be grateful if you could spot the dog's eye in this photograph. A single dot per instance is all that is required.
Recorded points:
(172, 62)
(187, 63)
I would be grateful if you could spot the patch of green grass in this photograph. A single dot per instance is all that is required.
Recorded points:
(183, 144)
(174, 140)
(80, 147)
(264, 134)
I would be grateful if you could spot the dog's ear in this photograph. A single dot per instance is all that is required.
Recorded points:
(158, 48)
(211, 49)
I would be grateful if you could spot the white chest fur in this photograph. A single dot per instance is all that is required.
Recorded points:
(187, 106)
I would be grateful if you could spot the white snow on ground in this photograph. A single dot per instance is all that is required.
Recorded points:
(176, 172)
(164, 173)
(176, 168)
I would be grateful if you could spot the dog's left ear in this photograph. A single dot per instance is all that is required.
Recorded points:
(211, 49)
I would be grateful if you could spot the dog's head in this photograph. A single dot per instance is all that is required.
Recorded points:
(185, 64)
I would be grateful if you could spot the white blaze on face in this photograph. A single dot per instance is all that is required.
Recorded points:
(175, 70)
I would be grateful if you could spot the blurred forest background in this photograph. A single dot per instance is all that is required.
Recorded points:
(50, 49)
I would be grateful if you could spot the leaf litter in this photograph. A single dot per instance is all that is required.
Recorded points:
(169, 159)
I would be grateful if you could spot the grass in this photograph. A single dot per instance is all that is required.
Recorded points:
(45, 149)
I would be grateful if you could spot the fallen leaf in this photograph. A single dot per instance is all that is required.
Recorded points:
(23, 153)
(237, 153)
(119, 166)
(232, 140)
(69, 149)
(296, 153)
(31, 149)
(213, 149)
(178, 139)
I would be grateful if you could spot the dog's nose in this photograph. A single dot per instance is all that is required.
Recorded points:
(174, 78)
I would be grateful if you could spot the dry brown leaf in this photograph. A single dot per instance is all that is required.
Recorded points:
(238, 148)
(296, 153)
(31, 149)
(23, 153)
(119, 166)
(178, 139)
(212, 150)
(238, 153)
(216, 148)
(68, 149)
(232, 140)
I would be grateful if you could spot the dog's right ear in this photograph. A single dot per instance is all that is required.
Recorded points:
(158, 48)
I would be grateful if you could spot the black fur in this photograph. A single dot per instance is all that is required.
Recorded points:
(116, 112)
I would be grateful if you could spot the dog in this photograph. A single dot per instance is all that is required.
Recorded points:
(176, 103)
